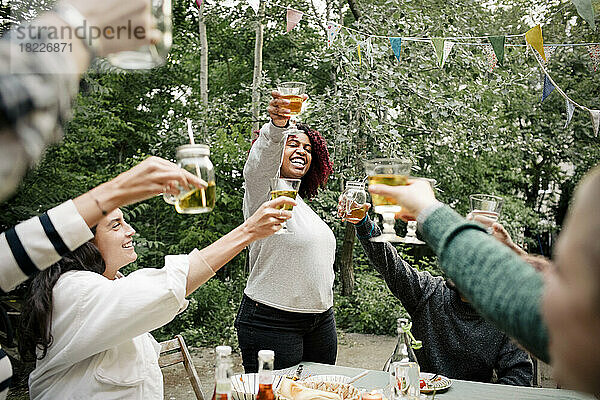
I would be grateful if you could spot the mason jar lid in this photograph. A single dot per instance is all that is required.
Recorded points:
(266, 355)
(355, 184)
(223, 350)
(193, 150)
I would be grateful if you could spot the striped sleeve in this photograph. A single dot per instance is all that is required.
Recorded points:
(39, 242)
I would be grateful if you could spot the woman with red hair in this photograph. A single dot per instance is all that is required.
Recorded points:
(288, 301)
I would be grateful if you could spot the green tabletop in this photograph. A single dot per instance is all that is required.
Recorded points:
(463, 390)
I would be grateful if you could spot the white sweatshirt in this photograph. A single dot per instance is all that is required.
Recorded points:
(289, 272)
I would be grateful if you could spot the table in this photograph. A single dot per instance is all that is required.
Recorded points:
(460, 390)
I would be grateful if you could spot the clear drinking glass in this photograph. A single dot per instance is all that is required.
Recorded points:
(405, 380)
(411, 226)
(294, 92)
(486, 206)
(393, 172)
(284, 187)
(154, 54)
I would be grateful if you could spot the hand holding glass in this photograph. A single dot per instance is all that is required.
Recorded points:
(352, 204)
(486, 206)
(284, 187)
(392, 172)
(294, 92)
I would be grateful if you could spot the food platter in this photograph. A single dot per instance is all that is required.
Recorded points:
(439, 383)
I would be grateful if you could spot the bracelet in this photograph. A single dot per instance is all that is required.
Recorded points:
(102, 210)
(76, 21)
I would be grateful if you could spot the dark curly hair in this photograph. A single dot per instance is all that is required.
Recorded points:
(320, 166)
(36, 316)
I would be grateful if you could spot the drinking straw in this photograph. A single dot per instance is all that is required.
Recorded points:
(191, 135)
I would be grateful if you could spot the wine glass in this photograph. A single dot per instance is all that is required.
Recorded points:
(284, 187)
(486, 206)
(411, 226)
(393, 172)
(294, 92)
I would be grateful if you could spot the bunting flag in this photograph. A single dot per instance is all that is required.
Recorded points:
(332, 31)
(396, 44)
(359, 56)
(497, 43)
(199, 3)
(548, 88)
(490, 56)
(368, 46)
(586, 11)
(594, 51)
(535, 40)
(595, 115)
(255, 4)
(570, 109)
(549, 52)
(442, 49)
(292, 18)
(438, 47)
(447, 49)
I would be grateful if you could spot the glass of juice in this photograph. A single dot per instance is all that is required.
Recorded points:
(393, 172)
(284, 187)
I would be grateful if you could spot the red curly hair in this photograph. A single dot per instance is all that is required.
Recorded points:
(320, 166)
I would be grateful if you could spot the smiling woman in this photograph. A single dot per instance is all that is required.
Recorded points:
(288, 301)
(87, 326)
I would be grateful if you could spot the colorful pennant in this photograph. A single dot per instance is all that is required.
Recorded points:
(595, 116)
(490, 56)
(548, 88)
(549, 52)
(396, 44)
(332, 31)
(570, 110)
(442, 49)
(292, 18)
(368, 46)
(586, 10)
(594, 52)
(497, 43)
(199, 3)
(535, 40)
(255, 4)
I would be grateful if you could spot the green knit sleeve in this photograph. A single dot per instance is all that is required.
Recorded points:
(501, 286)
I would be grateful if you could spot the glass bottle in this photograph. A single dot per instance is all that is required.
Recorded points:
(195, 159)
(353, 199)
(223, 373)
(403, 352)
(402, 364)
(266, 359)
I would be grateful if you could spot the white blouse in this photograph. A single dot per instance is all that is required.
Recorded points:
(101, 346)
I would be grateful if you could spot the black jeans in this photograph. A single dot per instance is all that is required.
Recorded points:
(294, 337)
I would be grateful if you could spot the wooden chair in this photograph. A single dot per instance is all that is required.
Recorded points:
(175, 351)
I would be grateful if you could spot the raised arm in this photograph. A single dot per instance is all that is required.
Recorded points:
(39, 242)
(410, 286)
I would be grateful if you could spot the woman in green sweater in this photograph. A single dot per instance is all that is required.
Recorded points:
(555, 316)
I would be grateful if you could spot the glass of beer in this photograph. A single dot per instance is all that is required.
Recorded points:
(284, 187)
(153, 54)
(486, 207)
(351, 204)
(294, 92)
(393, 172)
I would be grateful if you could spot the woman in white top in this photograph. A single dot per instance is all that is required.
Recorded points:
(88, 327)
(288, 301)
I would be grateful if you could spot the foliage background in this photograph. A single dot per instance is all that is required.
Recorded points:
(471, 130)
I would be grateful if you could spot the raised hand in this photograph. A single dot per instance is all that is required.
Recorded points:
(278, 109)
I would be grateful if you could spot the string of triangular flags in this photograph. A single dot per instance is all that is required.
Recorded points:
(493, 50)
